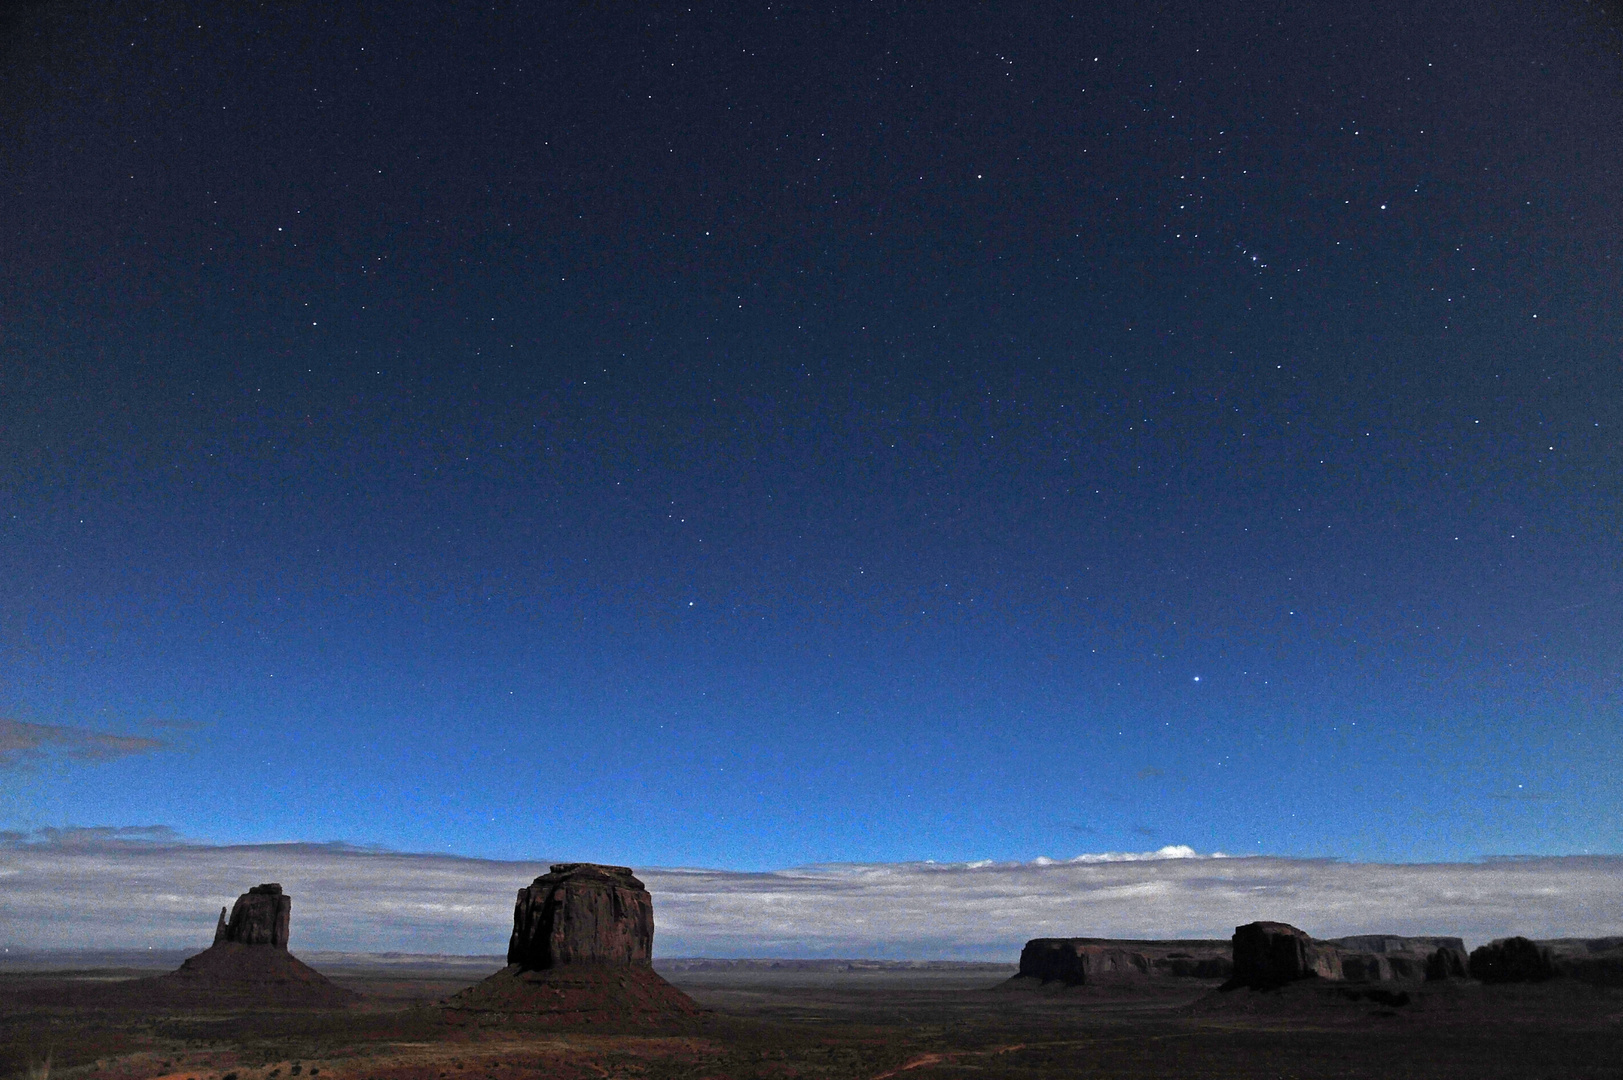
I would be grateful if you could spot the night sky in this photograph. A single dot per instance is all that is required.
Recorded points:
(761, 435)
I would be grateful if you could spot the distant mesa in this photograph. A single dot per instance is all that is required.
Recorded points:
(1591, 960)
(1272, 954)
(581, 952)
(1389, 958)
(1116, 962)
(1261, 955)
(248, 964)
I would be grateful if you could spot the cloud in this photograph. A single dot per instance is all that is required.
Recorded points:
(23, 745)
(126, 889)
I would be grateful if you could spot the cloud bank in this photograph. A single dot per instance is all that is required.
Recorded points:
(134, 888)
(23, 744)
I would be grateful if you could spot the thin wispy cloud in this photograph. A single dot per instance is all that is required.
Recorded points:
(109, 889)
(24, 745)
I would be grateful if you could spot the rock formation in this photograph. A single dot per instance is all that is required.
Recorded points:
(1261, 955)
(248, 964)
(1447, 963)
(582, 913)
(1094, 961)
(1389, 958)
(1270, 954)
(260, 917)
(1591, 960)
(1512, 960)
(580, 953)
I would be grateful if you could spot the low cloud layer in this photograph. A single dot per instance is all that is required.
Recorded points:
(134, 888)
(23, 745)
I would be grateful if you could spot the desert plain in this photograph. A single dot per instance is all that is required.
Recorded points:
(812, 1019)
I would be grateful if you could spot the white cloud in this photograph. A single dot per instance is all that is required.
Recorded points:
(110, 889)
(1171, 851)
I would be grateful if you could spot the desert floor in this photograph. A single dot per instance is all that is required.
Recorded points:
(818, 1023)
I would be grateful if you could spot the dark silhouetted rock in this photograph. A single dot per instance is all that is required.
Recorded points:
(1365, 967)
(1273, 954)
(583, 913)
(580, 953)
(1269, 954)
(261, 916)
(248, 964)
(1512, 960)
(1591, 960)
(1447, 963)
(1089, 961)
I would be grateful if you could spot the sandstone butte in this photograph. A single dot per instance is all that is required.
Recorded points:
(581, 952)
(248, 964)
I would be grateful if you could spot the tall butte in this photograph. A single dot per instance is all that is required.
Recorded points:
(249, 964)
(581, 952)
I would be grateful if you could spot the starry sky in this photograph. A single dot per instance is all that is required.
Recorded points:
(751, 436)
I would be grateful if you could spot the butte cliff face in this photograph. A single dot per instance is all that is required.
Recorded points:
(580, 953)
(1270, 954)
(583, 913)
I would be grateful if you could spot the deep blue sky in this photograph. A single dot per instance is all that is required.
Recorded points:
(764, 435)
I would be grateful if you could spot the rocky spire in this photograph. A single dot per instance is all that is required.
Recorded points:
(260, 917)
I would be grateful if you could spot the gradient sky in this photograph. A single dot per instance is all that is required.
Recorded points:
(766, 435)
